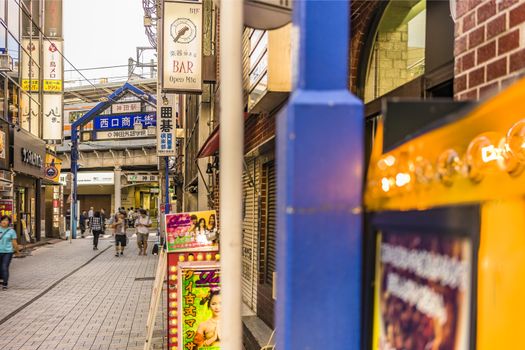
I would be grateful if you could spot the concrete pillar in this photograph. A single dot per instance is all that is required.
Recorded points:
(118, 172)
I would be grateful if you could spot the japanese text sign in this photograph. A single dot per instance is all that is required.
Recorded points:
(53, 65)
(182, 46)
(166, 137)
(52, 117)
(190, 232)
(125, 121)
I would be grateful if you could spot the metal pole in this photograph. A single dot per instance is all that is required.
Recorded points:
(231, 155)
(74, 168)
(319, 184)
(167, 185)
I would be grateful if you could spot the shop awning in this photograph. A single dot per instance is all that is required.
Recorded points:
(211, 145)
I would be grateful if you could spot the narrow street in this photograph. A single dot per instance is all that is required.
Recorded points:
(68, 296)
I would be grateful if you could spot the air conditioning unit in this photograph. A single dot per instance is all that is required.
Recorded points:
(6, 63)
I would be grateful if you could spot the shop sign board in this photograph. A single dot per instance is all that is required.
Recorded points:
(6, 207)
(129, 107)
(125, 134)
(95, 178)
(166, 131)
(52, 117)
(52, 168)
(427, 278)
(30, 59)
(53, 65)
(192, 231)
(30, 112)
(182, 46)
(125, 121)
(29, 154)
(199, 305)
(142, 178)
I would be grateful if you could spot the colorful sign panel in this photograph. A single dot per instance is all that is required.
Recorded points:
(166, 131)
(193, 231)
(182, 46)
(124, 121)
(53, 65)
(200, 306)
(6, 207)
(52, 117)
(30, 59)
(423, 296)
(30, 110)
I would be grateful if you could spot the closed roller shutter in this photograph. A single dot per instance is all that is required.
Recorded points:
(250, 234)
(271, 222)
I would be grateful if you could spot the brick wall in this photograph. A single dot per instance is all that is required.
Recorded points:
(489, 46)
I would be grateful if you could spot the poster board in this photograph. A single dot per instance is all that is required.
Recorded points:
(192, 231)
(199, 305)
(155, 298)
(425, 279)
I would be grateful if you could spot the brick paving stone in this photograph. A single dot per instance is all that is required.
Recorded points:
(100, 306)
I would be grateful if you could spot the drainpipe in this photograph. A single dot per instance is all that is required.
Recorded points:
(231, 155)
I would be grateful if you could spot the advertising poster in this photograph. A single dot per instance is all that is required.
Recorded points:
(6, 207)
(200, 306)
(423, 293)
(193, 231)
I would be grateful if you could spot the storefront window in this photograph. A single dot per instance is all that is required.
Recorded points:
(13, 102)
(398, 53)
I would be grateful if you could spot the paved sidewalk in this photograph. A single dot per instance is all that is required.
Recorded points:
(102, 305)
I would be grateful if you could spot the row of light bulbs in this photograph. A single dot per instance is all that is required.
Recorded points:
(487, 153)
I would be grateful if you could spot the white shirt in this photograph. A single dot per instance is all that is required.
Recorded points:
(143, 221)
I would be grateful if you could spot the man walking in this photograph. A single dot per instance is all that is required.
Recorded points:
(97, 228)
(142, 223)
(120, 234)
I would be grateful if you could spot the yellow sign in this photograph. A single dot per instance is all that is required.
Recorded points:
(35, 86)
(53, 85)
(53, 167)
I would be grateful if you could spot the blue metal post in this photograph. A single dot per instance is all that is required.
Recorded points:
(74, 171)
(167, 186)
(320, 174)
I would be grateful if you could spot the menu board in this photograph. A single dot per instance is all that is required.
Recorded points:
(192, 232)
(423, 291)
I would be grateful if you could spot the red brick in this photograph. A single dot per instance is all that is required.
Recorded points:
(517, 15)
(467, 61)
(470, 95)
(509, 42)
(472, 4)
(460, 83)
(460, 45)
(486, 11)
(461, 8)
(469, 21)
(497, 26)
(517, 61)
(497, 69)
(476, 37)
(488, 90)
(476, 77)
(486, 52)
(503, 4)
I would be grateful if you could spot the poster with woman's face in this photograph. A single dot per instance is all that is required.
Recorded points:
(423, 296)
(200, 306)
(193, 231)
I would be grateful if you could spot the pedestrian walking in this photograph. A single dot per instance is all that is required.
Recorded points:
(143, 223)
(96, 228)
(82, 221)
(8, 246)
(120, 234)
(104, 218)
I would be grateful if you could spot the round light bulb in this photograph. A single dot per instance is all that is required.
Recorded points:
(174, 340)
(191, 257)
(217, 257)
(173, 313)
(173, 277)
(516, 140)
(173, 331)
(173, 304)
(423, 170)
(509, 162)
(208, 257)
(448, 165)
(200, 257)
(173, 295)
(181, 258)
(173, 269)
(483, 156)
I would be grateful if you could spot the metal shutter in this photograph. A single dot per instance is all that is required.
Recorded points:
(250, 234)
(271, 222)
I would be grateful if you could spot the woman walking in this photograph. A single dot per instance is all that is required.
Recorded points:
(120, 234)
(8, 246)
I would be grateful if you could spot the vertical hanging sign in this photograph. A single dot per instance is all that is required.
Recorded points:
(166, 132)
(52, 117)
(30, 69)
(53, 66)
(182, 47)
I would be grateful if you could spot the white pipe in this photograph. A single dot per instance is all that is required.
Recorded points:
(231, 160)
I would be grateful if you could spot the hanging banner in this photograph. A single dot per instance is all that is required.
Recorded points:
(30, 111)
(52, 117)
(28, 29)
(166, 132)
(53, 65)
(200, 306)
(182, 46)
(190, 232)
(423, 293)
(53, 18)
(30, 59)
(52, 168)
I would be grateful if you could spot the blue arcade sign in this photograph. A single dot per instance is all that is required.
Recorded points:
(124, 121)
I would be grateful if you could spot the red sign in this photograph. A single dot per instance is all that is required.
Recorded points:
(6, 207)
